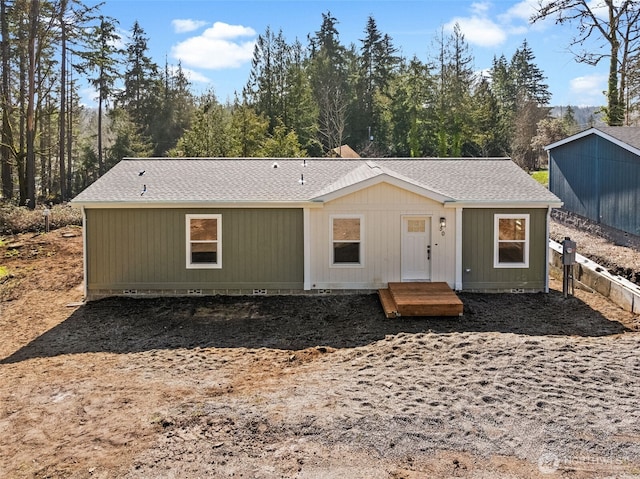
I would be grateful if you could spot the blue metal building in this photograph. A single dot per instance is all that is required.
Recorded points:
(596, 173)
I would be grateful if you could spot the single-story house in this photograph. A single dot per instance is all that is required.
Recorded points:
(260, 226)
(596, 173)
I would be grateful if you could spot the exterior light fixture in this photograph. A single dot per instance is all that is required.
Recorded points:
(443, 224)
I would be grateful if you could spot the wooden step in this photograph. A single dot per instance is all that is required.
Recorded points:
(388, 304)
(421, 299)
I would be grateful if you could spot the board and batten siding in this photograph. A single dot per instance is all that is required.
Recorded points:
(478, 241)
(599, 180)
(145, 249)
(381, 207)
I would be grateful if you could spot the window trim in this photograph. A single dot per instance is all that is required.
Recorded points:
(188, 242)
(497, 241)
(332, 263)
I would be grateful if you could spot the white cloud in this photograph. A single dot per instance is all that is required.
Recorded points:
(480, 8)
(192, 75)
(589, 89)
(521, 11)
(187, 25)
(479, 30)
(217, 47)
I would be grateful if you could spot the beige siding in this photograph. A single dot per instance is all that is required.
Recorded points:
(478, 251)
(146, 249)
(382, 207)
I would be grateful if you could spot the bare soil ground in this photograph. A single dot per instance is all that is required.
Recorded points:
(307, 387)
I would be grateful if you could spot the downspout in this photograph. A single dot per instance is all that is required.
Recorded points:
(84, 254)
(546, 251)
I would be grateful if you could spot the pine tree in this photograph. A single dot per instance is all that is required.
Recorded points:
(210, 132)
(141, 96)
(455, 78)
(248, 131)
(103, 59)
(328, 73)
(411, 110)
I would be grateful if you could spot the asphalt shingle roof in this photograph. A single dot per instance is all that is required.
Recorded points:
(167, 180)
(627, 134)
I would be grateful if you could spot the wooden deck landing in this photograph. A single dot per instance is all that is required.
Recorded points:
(420, 299)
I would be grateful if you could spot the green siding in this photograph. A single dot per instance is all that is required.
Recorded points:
(478, 272)
(146, 249)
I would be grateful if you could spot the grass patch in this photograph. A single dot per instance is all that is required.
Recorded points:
(541, 177)
(3, 272)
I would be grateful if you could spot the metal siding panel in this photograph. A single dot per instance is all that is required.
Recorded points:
(574, 173)
(619, 186)
(599, 180)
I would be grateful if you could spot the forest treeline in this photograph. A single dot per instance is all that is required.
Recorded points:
(301, 99)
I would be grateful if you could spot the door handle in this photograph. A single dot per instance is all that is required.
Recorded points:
(429, 252)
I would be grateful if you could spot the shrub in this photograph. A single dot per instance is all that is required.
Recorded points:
(20, 219)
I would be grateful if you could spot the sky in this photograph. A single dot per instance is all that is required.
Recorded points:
(213, 39)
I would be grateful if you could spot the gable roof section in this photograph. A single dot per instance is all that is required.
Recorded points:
(238, 182)
(370, 174)
(626, 137)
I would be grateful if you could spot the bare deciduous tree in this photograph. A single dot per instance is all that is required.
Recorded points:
(615, 22)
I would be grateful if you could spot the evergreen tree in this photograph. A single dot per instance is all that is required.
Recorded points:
(411, 108)
(328, 73)
(455, 78)
(377, 64)
(102, 59)
(303, 110)
(175, 112)
(527, 78)
(248, 131)
(282, 144)
(141, 96)
(209, 133)
(486, 121)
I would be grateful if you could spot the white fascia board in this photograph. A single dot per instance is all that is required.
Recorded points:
(192, 204)
(383, 178)
(571, 138)
(601, 134)
(503, 204)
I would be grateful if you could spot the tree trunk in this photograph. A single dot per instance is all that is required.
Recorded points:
(70, 137)
(34, 14)
(63, 101)
(615, 112)
(5, 91)
(100, 96)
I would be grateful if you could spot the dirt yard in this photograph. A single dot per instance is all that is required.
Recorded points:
(306, 387)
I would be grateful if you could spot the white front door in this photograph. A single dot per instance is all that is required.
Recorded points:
(416, 248)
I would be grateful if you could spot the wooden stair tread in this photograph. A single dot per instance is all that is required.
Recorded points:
(388, 304)
(420, 299)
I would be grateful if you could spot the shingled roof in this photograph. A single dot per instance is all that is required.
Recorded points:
(169, 181)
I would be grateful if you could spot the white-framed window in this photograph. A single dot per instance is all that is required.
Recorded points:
(346, 240)
(511, 236)
(204, 241)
